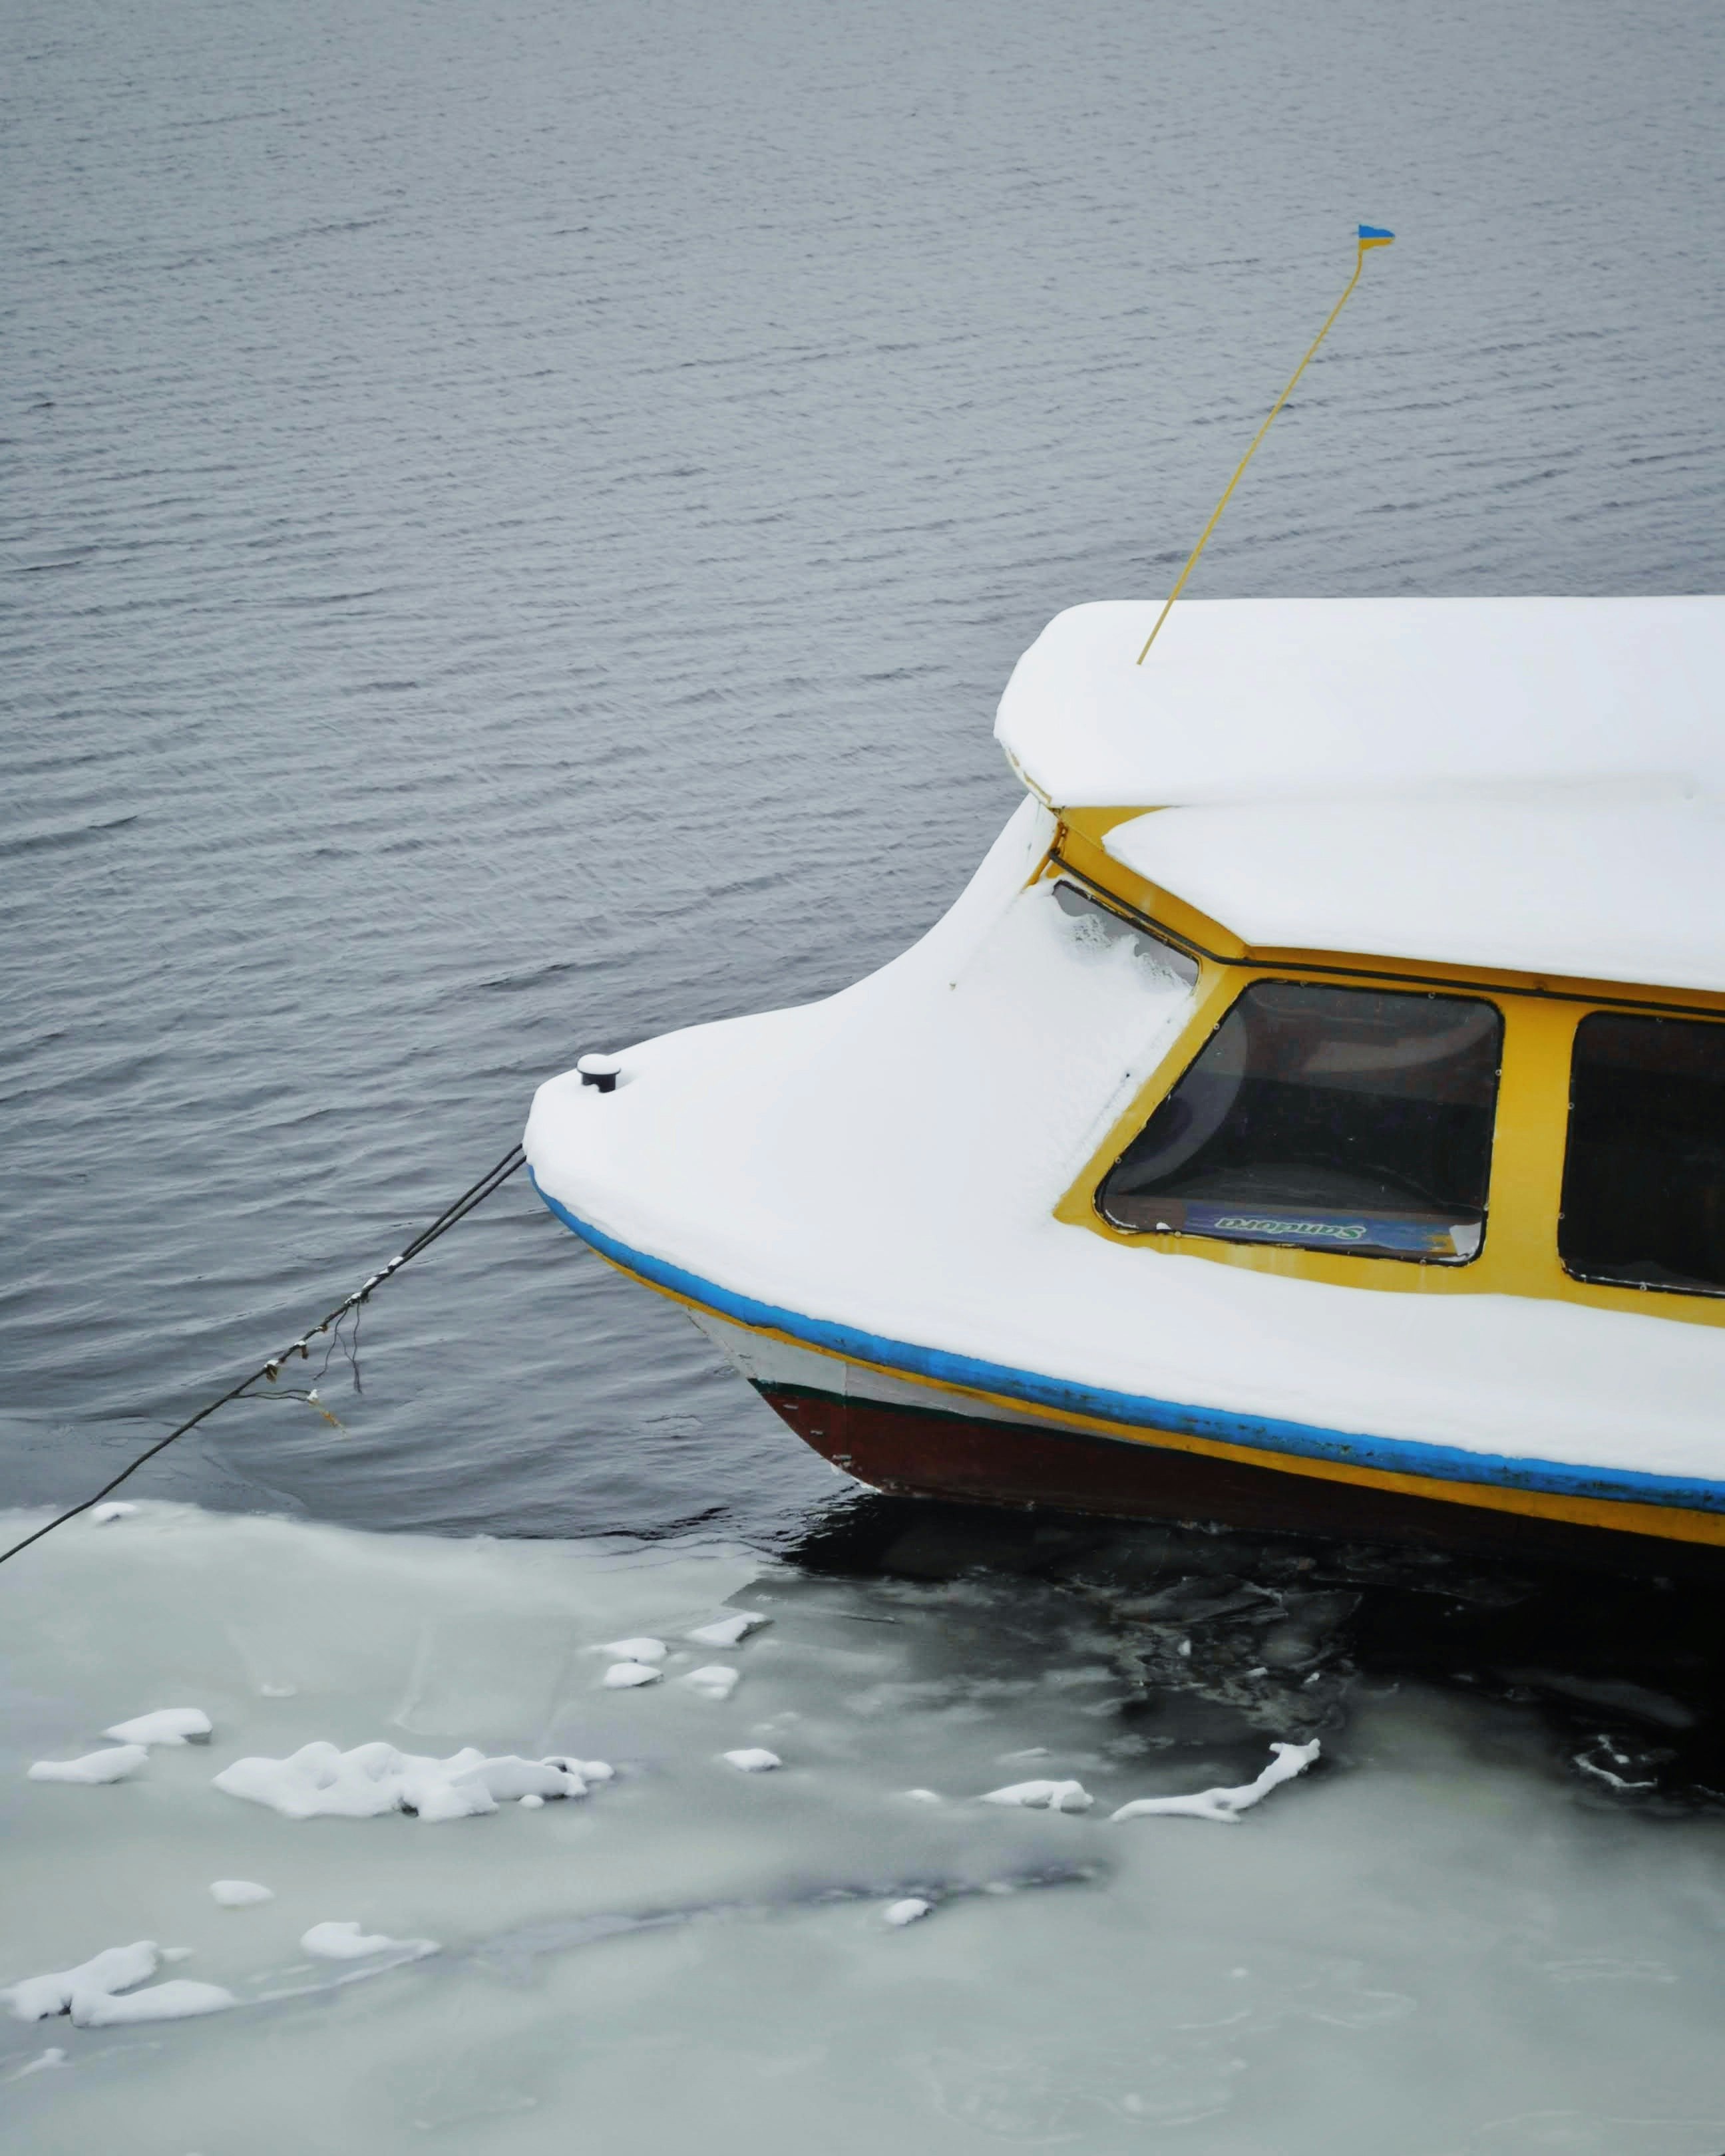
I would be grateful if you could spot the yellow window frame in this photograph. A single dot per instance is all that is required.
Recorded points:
(1519, 1255)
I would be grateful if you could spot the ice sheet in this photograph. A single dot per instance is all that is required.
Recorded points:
(704, 1956)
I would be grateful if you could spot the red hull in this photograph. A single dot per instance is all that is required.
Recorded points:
(919, 1452)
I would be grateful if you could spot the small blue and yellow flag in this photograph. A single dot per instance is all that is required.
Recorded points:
(1373, 235)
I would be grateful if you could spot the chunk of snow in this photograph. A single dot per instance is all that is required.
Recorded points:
(925, 1796)
(86, 1993)
(1054, 1796)
(715, 1682)
(635, 1650)
(167, 1725)
(113, 1969)
(52, 2056)
(531, 1802)
(621, 1677)
(240, 1893)
(752, 1760)
(113, 1766)
(1227, 1804)
(906, 1912)
(583, 1770)
(319, 1781)
(105, 1516)
(342, 1940)
(510, 1778)
(1605, 1774)
(179, 1999)
(728, 1631)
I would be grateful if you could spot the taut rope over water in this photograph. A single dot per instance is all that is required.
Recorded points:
(1370, 235)
(476, 1194)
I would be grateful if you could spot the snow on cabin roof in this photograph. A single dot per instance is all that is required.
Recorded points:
(1630, 889)
(1267, 700)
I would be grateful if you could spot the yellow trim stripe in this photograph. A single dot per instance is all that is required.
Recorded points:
(1666, 1522)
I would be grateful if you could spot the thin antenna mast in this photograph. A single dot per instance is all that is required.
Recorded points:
(1370, 235)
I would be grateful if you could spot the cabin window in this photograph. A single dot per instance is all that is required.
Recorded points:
(1103, 926)
(1329, 1119)
(1643, 1178)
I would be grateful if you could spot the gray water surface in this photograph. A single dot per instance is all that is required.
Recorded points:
(514, 522)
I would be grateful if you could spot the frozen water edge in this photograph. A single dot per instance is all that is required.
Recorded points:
(1310, 1983)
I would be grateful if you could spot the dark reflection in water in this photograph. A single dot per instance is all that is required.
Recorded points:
(1222, 1638)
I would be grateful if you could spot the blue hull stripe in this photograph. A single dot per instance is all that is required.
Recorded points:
(1438, 1463)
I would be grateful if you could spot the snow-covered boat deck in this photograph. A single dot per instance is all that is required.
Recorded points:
(879, 1172)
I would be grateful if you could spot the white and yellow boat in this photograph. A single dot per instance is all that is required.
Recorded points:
(1313, 1114)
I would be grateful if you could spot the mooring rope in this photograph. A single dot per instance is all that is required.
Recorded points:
(268, 1372)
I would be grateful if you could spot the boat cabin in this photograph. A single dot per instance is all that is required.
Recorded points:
(1426, 1050)
(1311, 1113)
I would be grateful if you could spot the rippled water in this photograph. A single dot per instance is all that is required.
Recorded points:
(514, 522)
(515, 525)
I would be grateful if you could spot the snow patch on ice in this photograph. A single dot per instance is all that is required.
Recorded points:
(715, 1682)
(925, 1796)
(88, 1992)
(584, 1770)
(728, 1631)
(624, 1676)
(320, 1781)
(52, 2056)
(531, 1802)
(635, 1650)
(1227, 1804)
(906, 1912)
(240, 1893)
(342, 1940)
(167, 1725)
(116, 1765)
(1053, 1796)
(1605, 1774)
(751, 1759)
(105, 1516)
(179, 1999)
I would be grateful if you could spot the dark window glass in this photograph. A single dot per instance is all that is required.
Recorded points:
(1107, 927)
(1643, 1180)
(1332, 1119)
